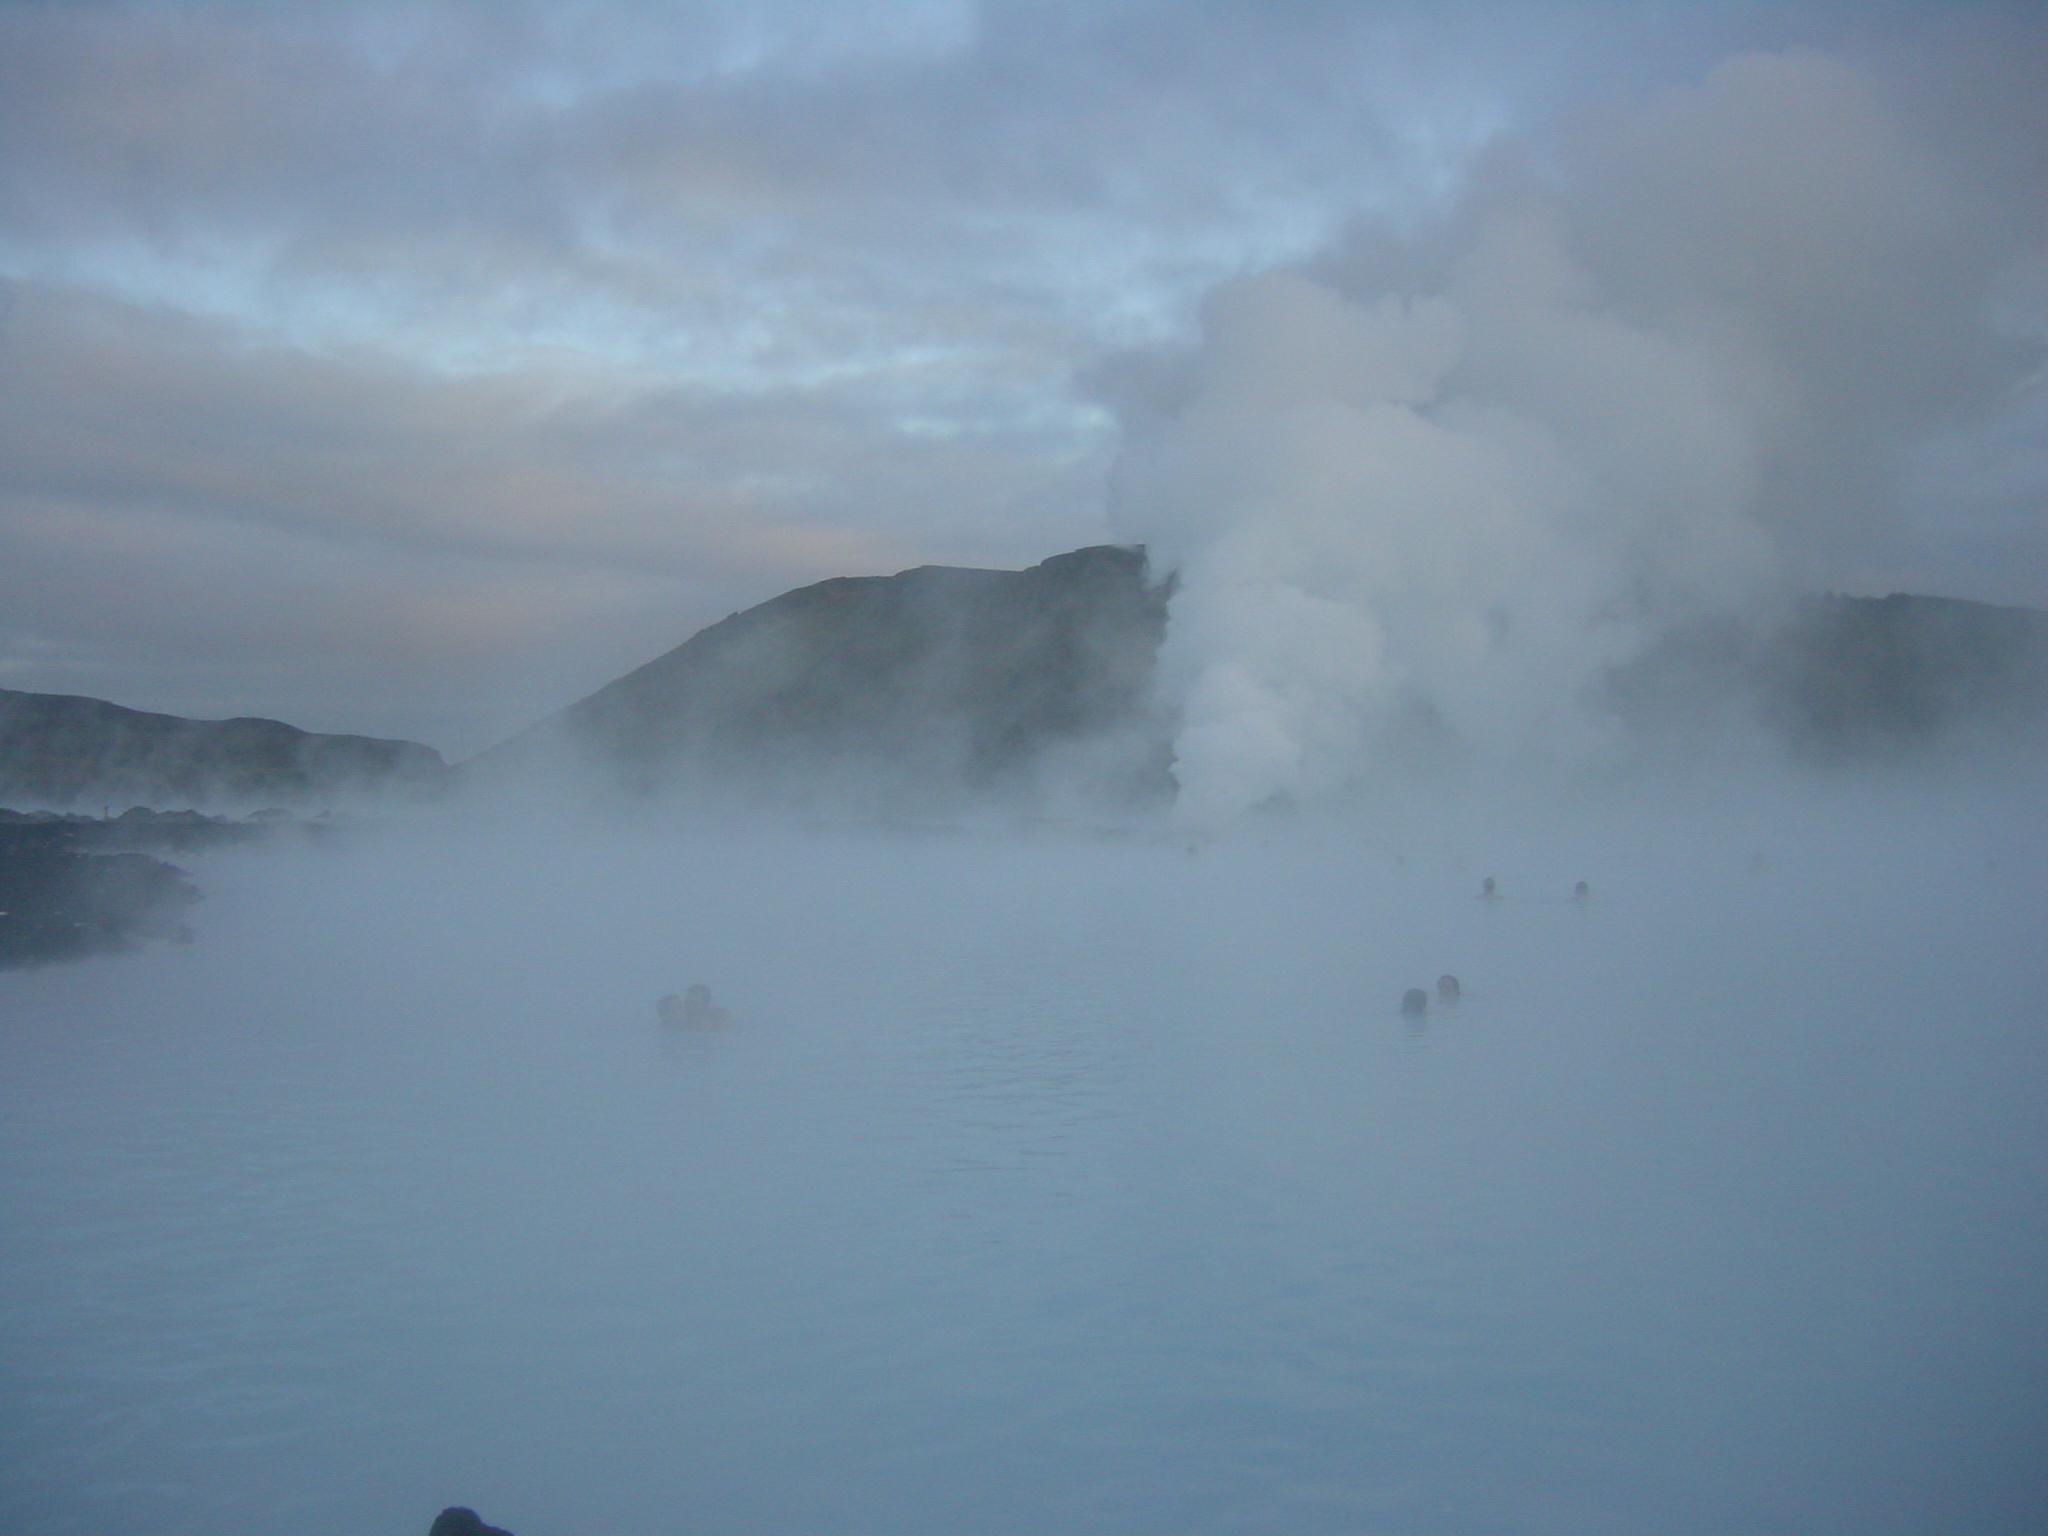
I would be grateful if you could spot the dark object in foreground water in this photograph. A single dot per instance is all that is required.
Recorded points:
(1447, 988)
(1415, 1001)
(1581, 891)
(458, 1521)
(1486, 890)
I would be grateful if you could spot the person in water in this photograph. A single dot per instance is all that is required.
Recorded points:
(1447, 989)
(693, 1010)
(1582, 891)
(463, 1522)
(1414, 1002)
(1486, 890)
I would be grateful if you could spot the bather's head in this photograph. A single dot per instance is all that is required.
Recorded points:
(463, 1522)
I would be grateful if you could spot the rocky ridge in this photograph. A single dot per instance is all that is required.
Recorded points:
(64, 750)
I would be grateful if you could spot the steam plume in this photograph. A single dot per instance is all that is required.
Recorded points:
(1424, 494)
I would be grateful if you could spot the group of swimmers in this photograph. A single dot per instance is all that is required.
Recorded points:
(1415, 1001)
(693, 1010)
(1489, 891)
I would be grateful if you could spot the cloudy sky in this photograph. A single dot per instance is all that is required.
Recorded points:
(413, 368)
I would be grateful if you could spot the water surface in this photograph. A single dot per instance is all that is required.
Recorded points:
(1048, 1184)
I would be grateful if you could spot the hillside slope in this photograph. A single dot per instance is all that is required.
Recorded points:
(946, 683)
(940, 684)
(888, 689)
(1843, 680)
(61, 749)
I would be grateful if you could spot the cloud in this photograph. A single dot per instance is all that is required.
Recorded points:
(675, 309)
(856, 156)
(707, 299)
(164, 490)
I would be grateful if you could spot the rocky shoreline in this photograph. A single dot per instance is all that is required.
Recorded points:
(73, 885)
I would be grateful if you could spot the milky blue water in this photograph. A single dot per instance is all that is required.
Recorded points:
(1050, 1184)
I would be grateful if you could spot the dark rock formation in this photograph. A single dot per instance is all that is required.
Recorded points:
(1853, 678)
(139, 829)
(59, 905)
(1850, 679)
(65, 750)
(937, 681)
(73, 885)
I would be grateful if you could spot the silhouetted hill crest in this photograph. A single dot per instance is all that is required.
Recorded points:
(65, 749)
(935, 680)
(941, 683)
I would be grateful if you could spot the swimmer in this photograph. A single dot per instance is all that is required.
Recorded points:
(693, 1010)
(463, 1522)
(1582, 892)
(1447, 989)
(1415, 1002)
(1486, 890)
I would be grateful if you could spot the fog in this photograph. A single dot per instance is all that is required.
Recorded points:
(1070, 1163)
(1048, 1180)
(1067, 1161)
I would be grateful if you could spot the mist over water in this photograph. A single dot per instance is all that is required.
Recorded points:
(1047, 1179)
(1051, 1182)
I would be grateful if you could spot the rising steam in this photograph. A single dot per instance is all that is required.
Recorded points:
(1425, 495)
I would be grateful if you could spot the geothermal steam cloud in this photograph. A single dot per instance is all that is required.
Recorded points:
(1424, 496)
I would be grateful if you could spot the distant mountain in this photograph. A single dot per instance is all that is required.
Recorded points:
(938, 683)
(889, 691)
(59, 749)
(1852, 679)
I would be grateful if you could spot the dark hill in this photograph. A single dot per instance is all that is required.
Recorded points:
(59, 749)
(890, 689)
(1851, 679)
(899, 692)
(940, 682)
(1855, 677)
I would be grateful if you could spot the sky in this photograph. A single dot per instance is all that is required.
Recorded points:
(413, 369)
